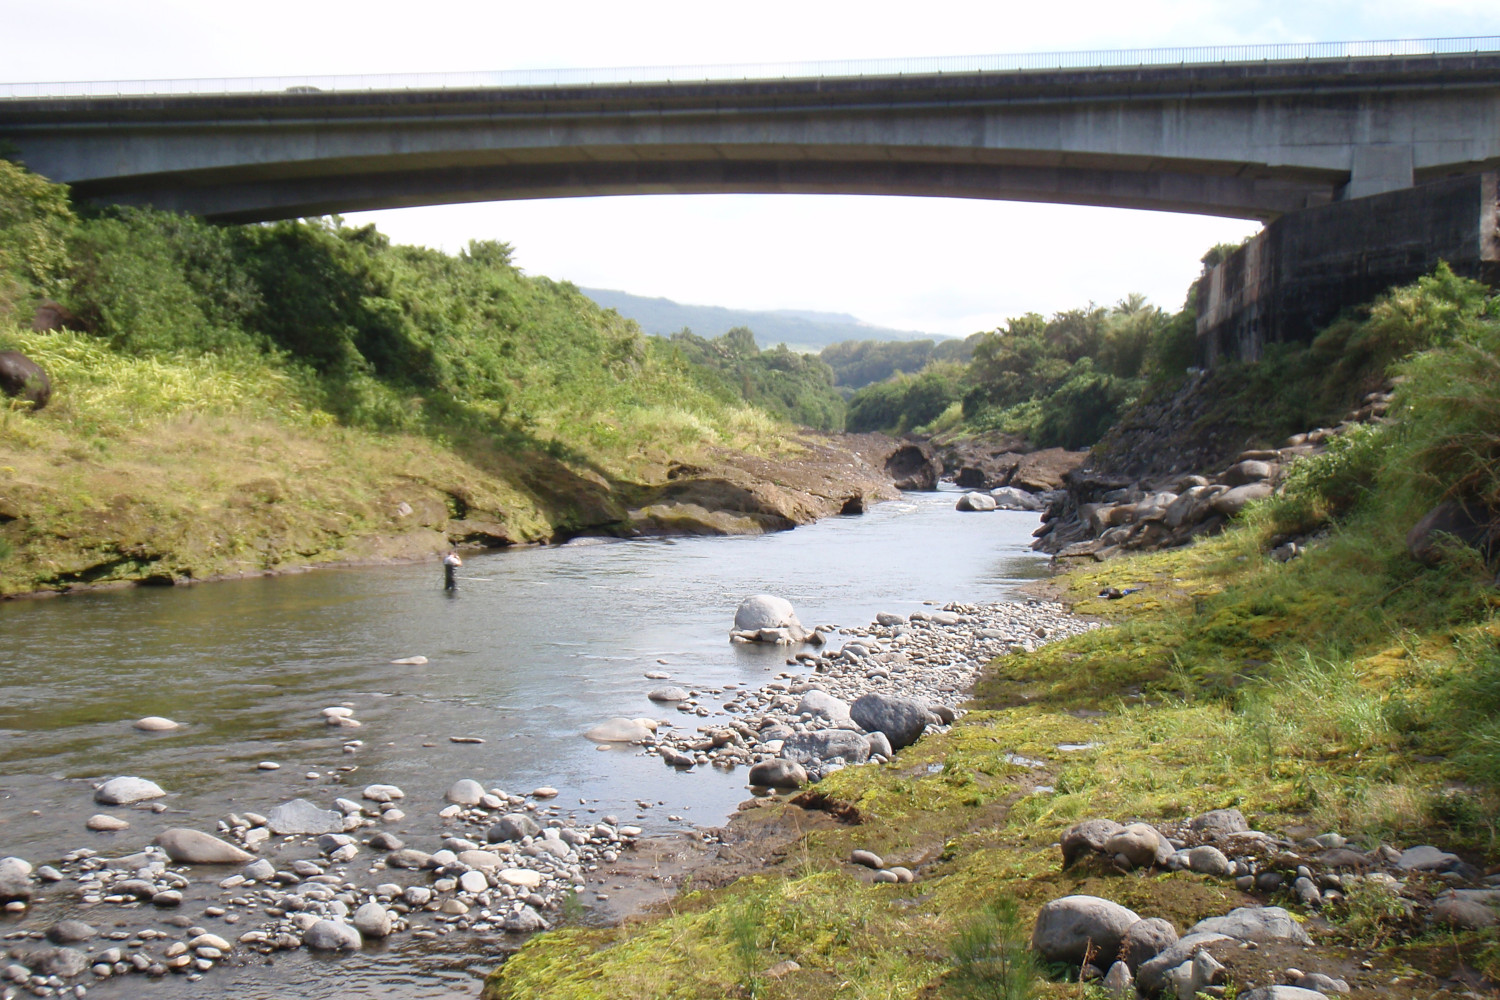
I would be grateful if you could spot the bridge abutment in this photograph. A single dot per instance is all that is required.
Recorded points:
(1297, 274)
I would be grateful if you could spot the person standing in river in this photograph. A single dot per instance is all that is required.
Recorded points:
(451, 562)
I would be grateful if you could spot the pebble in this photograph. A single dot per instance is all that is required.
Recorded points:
(103, 822)
(156, 724)
(268, 765)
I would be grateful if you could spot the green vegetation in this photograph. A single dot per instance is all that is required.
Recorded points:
(356, 375)
(1351, 689)
(1057, 382)
(858, 363)
(794, 387)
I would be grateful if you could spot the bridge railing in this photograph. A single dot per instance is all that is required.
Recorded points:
(827, 69)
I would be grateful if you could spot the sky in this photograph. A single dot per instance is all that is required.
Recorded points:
(935, 265)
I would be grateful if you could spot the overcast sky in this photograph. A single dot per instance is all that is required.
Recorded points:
(937, 265)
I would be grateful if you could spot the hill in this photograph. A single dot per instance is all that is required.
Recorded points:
(800, 329)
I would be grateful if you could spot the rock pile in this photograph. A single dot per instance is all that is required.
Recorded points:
(501, 863)
(1102, 514)
(886, 685)
(1319, 872)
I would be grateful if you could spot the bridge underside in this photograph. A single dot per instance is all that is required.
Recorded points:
(1250, 140)
(262, 194)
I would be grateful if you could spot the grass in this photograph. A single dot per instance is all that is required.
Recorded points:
(1315, 695)
(193, 466)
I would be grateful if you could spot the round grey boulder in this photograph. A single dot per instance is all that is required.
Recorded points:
(1219, 823)
(156, 724)
(1207, 860)
(778, 773)
(373, 920)
(71, 932)
(900, 719)
(669, 693)
(1137, 843)
(823, 705)
(880, 745)
(465, 792)
(1145, 939)
(15, 880)
(330, 935)
(764, 611)
(525, 921)
(975, 502)
(1067, 928)
(513, 826)
(1087, 837)
(1231, 502)
(125, 790)
(194, 847)
(23, 378)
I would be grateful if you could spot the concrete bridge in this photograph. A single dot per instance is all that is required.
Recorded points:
(1230, 133)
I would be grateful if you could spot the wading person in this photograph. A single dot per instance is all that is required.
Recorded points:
(451, 562)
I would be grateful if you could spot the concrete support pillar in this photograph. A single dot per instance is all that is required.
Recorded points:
(1378, 169)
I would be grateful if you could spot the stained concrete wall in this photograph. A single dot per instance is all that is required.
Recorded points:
(1298, 273)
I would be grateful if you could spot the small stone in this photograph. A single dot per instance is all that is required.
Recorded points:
(155, 724)
(473, 882)
(329, 935)
(70, 932)
(197, 848)
(544, 792)
(522, 877)
(410, 661)
(1209, 861)
(867, 858)
(268, 765)
(124, 791)
(465, 792)
(105, 823)
(373, 920)
(383, 793)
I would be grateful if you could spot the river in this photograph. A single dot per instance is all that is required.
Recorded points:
(535, 646)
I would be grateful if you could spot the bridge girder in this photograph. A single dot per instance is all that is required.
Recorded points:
(1245, 140)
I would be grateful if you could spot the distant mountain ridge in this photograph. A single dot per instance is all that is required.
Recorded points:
(799, 329)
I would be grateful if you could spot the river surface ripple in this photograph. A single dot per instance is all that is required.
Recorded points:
(536, 646)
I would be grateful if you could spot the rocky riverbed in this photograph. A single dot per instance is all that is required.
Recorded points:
(494, 865)
(880, 690)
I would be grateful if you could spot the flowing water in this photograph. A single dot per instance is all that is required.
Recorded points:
(535, 646)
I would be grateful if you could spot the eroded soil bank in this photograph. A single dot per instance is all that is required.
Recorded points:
(221, 500)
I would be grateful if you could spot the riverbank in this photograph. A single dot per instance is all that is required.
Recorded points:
(192, 469)
(1111, 725)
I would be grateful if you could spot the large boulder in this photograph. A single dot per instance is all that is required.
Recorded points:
(821, 704)
(975, 501)
(22, 378)
(194, 847)
(778, 773)
(1089, 836)
(1068, 928)
(813, 748)
(1231, 502)
(914, 467)
(1261, 924)
(768, 618)
(1136, 843)
(900, 719)
(1452, 523)
(330, 935)
(15, 880)
(1218, 823)
(513, 826)
(1152, 975)
(1044, 470)
(1145, 939)
(300, 817)
(1010, 498)
(125, 790)
(1248, 471)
